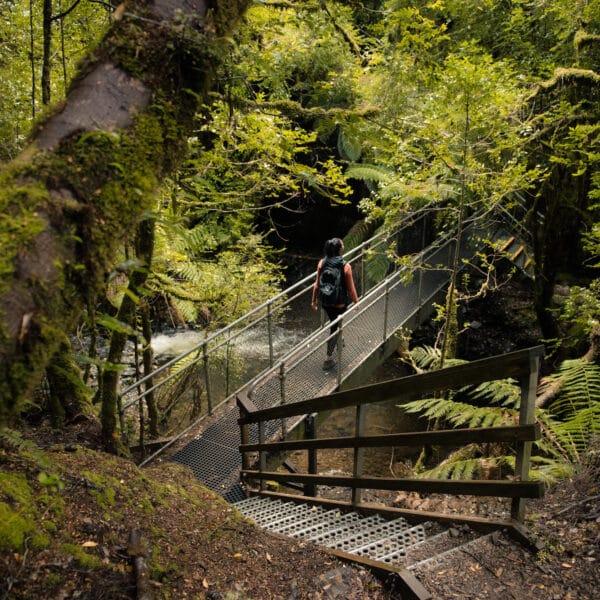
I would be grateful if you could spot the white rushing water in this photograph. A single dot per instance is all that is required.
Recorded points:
(250, 343)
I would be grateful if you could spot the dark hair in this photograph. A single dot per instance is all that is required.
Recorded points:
(333, 247)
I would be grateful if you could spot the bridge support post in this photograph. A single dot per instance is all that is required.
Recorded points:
(207, 378)
(358, 452)
(526, 417)
(310, 433)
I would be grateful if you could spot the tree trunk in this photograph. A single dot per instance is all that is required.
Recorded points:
(86, 179)
(69, 397)
(47, 45)
(144, 246)
(148, 358)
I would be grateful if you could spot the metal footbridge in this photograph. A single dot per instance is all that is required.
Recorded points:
(394, 295)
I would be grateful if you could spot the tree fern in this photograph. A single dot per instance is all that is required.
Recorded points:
(458, 414)
(569, 423)
(365, 172)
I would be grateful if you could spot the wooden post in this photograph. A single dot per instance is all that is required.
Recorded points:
(310, 433)
(246, 406)
(359, 428)
(262, 455)
(526, 417)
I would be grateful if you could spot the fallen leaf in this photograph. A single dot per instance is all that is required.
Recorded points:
(268, 557)
(89, 544)
(567, 565)
(205, 583)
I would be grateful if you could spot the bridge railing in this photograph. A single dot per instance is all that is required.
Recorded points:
(212, 371)
(522, 365)
(402, 300)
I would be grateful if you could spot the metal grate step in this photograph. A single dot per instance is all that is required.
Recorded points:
(372, 537)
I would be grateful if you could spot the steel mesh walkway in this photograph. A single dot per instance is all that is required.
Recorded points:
(372, 537)
(214, 455)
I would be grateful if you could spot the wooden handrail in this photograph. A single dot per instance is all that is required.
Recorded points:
(521, 364)
(508, 433)
(514, 364)
(487, 487)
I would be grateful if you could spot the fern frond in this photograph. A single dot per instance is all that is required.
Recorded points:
(580, 387)
(503, 392)
(364, 172)
(458, 413)
(464, 464)
(550, 471)
(426, 357)
(349, 146)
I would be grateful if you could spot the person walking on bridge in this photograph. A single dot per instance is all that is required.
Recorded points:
(334, 288)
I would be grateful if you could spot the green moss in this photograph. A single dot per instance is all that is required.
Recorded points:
(85, 560)
(14, 528)
(16, 488)
(52, 581)
(145, 504)
(20, 223)
(50, 526)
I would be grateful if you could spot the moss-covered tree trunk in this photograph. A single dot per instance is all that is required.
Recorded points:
(148, 359)
(144, 247)
(69, 396)
(87, 177)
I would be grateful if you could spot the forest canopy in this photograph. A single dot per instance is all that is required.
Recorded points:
(158, 157)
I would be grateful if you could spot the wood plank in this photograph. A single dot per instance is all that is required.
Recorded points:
(409, 586)
(482, 524)
(245, 404)
(505, 489)
(509, 433)
(513, 364)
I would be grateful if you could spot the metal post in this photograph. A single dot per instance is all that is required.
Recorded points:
(310, 433)
(207, 377)
(362, 272)
(262, 455)
(227, 362)
(270, 332)
(340, 344)
(282, 390)
(386, 310)
(526, 417)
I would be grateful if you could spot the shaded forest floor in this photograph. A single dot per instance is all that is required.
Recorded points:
(76, 538)
(68, 510)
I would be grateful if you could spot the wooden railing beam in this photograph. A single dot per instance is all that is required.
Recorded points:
(514, 364)
(500, 488)
(509, 433)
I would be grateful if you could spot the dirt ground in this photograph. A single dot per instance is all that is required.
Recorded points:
(68, 511)
(194, 545)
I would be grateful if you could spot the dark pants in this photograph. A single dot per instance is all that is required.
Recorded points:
(333, 312)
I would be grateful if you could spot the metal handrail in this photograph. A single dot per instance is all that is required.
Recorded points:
(227, 337)
(292, 359)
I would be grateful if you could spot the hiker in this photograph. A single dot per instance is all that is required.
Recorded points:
(334, 288)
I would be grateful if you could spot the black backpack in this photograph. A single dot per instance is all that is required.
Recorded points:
(332, 287)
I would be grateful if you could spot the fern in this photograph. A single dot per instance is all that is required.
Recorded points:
(503, 392)
(366, 172)
(580, 388)
(569, 424)
(459, 414)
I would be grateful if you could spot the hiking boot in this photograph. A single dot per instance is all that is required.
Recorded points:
(328, 364)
